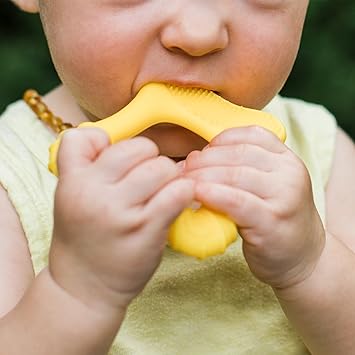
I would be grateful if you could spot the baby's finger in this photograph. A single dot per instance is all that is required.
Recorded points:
(145, 180)
(243, 154)
(118, 159)
(245, 208)
(169, 202)
(79, 147)
(245, 178)
(250, 135)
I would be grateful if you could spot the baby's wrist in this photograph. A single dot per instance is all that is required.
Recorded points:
(85, 287)
(87, 296)
(315, 281)
(304, 264)
(87, 328)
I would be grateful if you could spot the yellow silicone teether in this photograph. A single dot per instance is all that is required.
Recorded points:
(200, 232)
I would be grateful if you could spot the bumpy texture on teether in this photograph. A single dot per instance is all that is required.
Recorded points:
(200, 232)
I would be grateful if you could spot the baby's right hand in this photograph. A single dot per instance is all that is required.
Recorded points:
(113, 206)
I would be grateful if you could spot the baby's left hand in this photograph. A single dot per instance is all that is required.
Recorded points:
(251, 176)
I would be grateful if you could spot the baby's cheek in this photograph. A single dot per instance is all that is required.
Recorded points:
(266, 59)
(96, 64)
(95, 75)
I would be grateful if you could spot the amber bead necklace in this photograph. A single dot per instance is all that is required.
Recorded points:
(34, 101)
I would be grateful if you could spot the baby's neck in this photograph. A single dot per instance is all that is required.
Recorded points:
(63, 105)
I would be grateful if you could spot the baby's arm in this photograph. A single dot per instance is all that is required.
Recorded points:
(250, 175)
(37, 316)
(16, 271)
(113, 205)
(322, 308)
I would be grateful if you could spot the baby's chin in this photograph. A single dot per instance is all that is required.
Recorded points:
(174, 141)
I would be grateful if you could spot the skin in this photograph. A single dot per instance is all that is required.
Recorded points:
(224, 49)
(244, 50)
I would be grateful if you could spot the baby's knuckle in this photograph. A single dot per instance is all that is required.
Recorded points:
(238, 202)
(238, 152)
(283, 211)
(130, 222)
(235, 175)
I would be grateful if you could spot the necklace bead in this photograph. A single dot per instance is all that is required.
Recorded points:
(34, 101)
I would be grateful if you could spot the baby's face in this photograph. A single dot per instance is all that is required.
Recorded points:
(106, 50)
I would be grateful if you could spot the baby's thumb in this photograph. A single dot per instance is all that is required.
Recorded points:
(79, 147)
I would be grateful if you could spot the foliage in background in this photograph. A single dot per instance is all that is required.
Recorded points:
(324, 71)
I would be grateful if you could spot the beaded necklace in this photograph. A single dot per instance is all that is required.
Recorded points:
(34, 101)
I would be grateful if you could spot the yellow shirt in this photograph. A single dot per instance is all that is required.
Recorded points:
(189, 307)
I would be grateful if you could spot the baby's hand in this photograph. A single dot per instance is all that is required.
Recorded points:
(113, 206)
(251, 176)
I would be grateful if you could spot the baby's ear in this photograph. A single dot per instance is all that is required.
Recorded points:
(27, 5)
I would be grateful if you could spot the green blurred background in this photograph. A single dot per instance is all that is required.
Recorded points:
(324, 71)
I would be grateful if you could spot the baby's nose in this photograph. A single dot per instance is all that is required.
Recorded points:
(197, 28)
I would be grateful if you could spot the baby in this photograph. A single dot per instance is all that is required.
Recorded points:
(84, 263)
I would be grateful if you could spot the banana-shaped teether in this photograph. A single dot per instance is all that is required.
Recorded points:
(199, 232)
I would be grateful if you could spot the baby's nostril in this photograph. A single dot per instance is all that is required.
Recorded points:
(176, 50)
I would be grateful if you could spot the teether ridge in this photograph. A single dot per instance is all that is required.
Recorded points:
(202, 112)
